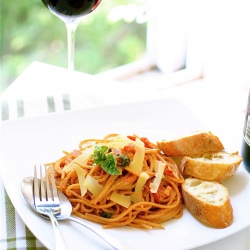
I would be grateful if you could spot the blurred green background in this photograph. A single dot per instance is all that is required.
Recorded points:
(113, 35)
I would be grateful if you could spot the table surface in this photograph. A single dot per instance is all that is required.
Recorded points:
(43, 88)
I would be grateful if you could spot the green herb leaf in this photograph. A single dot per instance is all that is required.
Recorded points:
(107, 161)
(99, 154)
(106, 215)
(124, 160)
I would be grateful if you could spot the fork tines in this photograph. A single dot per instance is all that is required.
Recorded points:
(45, 192)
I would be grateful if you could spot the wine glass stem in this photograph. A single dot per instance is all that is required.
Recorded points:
(71, 30)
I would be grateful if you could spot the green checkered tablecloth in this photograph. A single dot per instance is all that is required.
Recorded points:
(14, 234)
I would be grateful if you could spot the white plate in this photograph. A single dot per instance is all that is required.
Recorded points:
(42, 139)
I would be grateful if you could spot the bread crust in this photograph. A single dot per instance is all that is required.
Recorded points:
(193, 144)
(211, 166)
(209, 212)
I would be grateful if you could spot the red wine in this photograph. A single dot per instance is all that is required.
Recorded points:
(71, 9)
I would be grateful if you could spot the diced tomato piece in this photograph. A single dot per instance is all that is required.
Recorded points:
(168, 170)
(160, 195)
(146, 142)
(129, 149)
(131, 137)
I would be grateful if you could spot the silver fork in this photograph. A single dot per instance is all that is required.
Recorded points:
(47, 202)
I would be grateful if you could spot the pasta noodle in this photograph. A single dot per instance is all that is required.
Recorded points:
(120, 181)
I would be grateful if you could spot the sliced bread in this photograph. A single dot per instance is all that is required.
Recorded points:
(208, 201)
(211, 166)
(193, 144)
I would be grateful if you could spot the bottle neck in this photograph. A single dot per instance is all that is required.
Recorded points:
(246, 129)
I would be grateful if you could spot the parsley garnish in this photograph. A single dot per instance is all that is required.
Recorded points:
(124, 160)
(107, 161)
(106, 215)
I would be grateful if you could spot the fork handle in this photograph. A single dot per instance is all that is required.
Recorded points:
(60, 244)
(113, 242)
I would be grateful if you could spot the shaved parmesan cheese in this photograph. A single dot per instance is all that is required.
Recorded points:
(81, 173)
(92, 185)
(137, 195)
(81, 159)
(118, 142)
(121, 199)
(158, 176)
(168, 190)
(137, 163)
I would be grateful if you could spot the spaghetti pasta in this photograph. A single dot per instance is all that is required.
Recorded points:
(120, 181)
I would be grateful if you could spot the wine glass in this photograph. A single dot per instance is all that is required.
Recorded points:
(71, 12)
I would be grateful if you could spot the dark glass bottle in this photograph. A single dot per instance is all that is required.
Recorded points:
(246, 140)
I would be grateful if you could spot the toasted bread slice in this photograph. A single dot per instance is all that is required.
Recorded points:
(193, 144)
(211, 166)
(208, 201)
